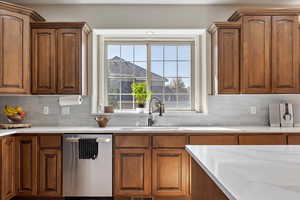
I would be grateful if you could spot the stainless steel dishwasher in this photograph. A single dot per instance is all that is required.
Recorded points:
(86, 177)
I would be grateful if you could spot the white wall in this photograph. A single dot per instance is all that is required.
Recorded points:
(137, 16)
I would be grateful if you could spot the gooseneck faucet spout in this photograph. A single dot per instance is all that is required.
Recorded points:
(160, 109)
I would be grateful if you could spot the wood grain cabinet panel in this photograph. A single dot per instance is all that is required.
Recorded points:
(44, 61)
(169, 172)
(293, 139)
(8, 185)
(68, 61)
(137, 141)
(285, 54)
(60, 57)
(50, 173)
(262, 139)
(229, 61)
(26, 164)
(14, 51)
(132, 172)
(169, 141)
(214, 140)
(256, 46)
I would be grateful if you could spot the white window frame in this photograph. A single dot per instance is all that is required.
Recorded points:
(197, 36)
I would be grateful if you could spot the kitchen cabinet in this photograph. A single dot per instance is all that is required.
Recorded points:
(256, 52)
(132, 172)
(60, 58)
(213, 140)
(50, 169)
(225, 57)
(26, 165)
(256, 63)
(50, 166)
(262, 139)
(15, 48)
(293, 139)
(285, 54)
(169, 172)
(8, 165)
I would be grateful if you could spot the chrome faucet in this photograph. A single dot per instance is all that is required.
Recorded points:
(161, 110)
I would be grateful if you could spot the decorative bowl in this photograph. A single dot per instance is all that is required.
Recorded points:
(15, 118)
(102, 121)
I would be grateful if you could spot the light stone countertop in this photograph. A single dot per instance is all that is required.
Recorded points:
(252, 172)
(170, 130)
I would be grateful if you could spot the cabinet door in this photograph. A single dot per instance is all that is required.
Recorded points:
(256, 66)
(14, 51)
(229, 61)
(26, 162)
(69, 59)
(50, 173)
(285, 61)
(169, 172)
(8, 168)
(43, 61)
(214, 140)
(132, 172)
(262, 140)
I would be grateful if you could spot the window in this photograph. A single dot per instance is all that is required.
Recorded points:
(165, 66)
(171, 61)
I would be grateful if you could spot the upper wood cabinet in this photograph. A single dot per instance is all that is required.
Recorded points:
(267, 47)
(285, 54)
(15, 48)
(60, 58)
(256, 64)
(226, 57)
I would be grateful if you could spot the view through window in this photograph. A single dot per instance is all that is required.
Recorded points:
(166, 67)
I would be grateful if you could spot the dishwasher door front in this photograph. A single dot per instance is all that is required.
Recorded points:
(87, 178)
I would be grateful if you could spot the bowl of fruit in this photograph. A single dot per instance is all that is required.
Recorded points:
(14, 114)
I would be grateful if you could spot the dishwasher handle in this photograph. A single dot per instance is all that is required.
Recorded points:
(99, 139)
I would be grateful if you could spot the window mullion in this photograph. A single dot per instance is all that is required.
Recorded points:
(149, 72)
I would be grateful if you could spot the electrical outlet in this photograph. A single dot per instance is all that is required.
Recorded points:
(65, 110)
(253, 110)
(46, 110)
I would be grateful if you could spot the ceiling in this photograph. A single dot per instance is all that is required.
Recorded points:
(203, 2)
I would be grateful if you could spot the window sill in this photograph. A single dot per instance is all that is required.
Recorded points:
(167, 113)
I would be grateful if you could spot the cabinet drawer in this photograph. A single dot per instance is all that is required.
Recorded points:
(262, 140)
(50, 141)
(213, 140)
(293, 139)
(132, 141)
(169, 141)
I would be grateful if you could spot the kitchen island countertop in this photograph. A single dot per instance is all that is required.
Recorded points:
(252, 172)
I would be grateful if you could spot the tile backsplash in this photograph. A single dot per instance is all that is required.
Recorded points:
(222, 110)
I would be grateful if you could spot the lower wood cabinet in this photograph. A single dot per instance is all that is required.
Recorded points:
(169, 172)
(132, 172)
(267, 139)
(50, 172)
(8, 186)
(30, 166)
(293, 139)
(26, 165)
